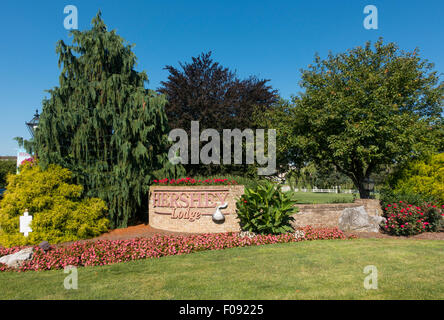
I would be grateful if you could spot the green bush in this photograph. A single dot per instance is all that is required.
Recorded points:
(424, 178)
(6, 167)
(434, 215)
(388, 196)
(265, 209)
(60, 214)
(404, 219)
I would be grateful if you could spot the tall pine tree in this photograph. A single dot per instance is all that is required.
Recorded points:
(103, 125)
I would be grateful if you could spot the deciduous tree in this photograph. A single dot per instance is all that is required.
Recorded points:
(205, 91)
(368, 107)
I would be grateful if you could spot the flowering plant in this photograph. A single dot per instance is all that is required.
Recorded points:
(191, 181)
(105, 252)
(405, 219)
(29, 161)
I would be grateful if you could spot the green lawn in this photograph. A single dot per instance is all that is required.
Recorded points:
(315, 197)
(323, 269)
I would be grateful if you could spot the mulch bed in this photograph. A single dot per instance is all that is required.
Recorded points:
(145, 230)
(137, 231)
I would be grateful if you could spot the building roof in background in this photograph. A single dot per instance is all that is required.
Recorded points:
(4, 158)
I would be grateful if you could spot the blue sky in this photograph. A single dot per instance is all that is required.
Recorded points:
(269, 39)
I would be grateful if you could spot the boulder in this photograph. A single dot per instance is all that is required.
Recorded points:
(45, 246)
(15, 260)
(357, 219)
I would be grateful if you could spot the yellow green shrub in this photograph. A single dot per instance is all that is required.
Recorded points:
(59, 212)
(423, 177)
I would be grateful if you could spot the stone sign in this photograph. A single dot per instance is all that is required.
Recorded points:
(194, 209)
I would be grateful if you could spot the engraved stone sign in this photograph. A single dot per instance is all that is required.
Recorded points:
(193, 208)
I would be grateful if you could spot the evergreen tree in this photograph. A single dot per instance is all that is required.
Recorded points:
(103, 125)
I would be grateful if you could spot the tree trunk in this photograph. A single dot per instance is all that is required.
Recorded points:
(363, 193)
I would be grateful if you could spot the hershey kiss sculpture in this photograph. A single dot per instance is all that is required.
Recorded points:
(218, 216)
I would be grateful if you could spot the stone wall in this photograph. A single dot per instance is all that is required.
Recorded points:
(189, 209)
(327, 215)
(372, 206)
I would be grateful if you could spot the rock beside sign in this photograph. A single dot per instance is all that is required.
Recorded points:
(190, 209)
(357, 219)
(15, 260)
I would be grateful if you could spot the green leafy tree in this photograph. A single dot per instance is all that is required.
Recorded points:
(278, 116)
(103, 125)
(28, 145)
(6, 167)
(205, 91)
(366, 108)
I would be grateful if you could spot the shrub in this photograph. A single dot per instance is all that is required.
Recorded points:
(389, 196)
(31, 161)
(342, 200)
(422, 177)
(266, 210)
(6, 167)
(59, 212)
(434, 215)
(404, 219)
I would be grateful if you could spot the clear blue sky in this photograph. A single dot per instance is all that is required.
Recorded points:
(269, 39)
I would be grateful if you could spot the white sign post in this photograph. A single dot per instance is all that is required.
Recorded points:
(25, 222)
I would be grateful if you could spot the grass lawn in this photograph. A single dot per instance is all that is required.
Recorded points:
(317, 197)
(323, 269)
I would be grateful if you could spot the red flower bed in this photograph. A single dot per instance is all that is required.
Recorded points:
(104, 252)
(190, 181)
(324, 234)
(405, 219)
